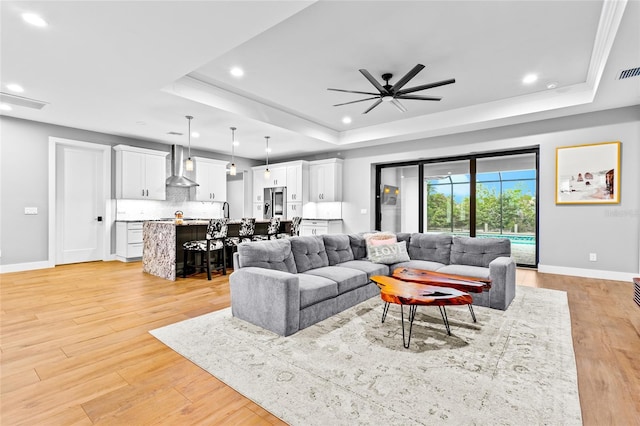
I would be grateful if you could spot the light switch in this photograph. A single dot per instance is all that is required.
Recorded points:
(30, 210)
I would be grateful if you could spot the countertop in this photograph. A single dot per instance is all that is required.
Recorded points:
(191, 222)
(314, 218)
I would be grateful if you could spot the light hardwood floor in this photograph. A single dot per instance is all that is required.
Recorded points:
(76, 349)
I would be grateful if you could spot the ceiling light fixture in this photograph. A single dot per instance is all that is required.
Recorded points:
(5, 107)
(35, 20)
(195, 134)
(267, 172)
(346, 120)
(15, 87)
(237, 72)
(552, 85)
(232, 169)
(188, 164)
(529, 79)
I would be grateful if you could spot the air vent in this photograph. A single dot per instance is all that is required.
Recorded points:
(8, 98)
(175, 133)
(631, 72)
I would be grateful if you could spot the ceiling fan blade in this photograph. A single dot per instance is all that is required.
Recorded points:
(354, 91)
(426, 86)
(373, 81)
(359, 100)
(408, 76)
(419, 98)
(398, 105)
(375, 104)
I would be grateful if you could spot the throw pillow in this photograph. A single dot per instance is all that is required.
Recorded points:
(381, 242)
(388, 253)
(379, 236)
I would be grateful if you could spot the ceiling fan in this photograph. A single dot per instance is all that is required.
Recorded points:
(389, 93)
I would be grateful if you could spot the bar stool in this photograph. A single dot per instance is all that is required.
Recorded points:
(272, 230)
(295, 225)
(215, 241)
(245, 232)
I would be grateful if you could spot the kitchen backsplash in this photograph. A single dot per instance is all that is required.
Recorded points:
(177, 199)
(322, 210)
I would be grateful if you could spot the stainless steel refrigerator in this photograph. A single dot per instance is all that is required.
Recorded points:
(275, 202)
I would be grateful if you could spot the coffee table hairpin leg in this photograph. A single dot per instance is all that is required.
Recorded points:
(412, 315)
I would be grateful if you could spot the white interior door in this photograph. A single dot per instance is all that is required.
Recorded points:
(80, 205)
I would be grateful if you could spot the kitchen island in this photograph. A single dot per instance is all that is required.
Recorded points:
(162, 252)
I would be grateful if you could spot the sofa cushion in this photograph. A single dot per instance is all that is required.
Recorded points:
(315, 289)
(358, 246)
(404, 236)
(478, 251)
(367, 267)
(466, 270)
(432, 247)
(274, 254)
(347, 278)
(308, 252)
(417, 264)
(338, 248)
(388, 254)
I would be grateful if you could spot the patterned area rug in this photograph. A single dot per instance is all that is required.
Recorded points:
(510, 368)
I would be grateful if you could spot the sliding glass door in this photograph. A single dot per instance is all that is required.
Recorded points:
(506, 202)
(482, 195)
(447, 194)
(398, 199)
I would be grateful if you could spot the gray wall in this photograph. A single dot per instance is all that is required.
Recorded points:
(24, 162)
(568, 233)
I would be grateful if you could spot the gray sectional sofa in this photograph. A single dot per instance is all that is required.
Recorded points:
(289, 284)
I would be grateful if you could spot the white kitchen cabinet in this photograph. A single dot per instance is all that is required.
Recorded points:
(258, 184)
(211, 176)
(320, 227)
(293, 210)
(140, 173)
(258, 210)
(325, 180)
(298, 182)
(278, 177)
(128, 241)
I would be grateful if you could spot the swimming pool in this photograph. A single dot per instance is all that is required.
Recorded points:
(529, 240)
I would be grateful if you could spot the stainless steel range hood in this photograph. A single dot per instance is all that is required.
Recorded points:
(177, 169)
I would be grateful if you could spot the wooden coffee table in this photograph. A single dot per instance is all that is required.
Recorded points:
(394, 290)
(459, 282)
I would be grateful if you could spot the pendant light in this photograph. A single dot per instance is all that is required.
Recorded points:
(188, 164)
(232, 168)
(267, 172)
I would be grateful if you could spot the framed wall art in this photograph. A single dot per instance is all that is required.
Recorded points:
(588, 174)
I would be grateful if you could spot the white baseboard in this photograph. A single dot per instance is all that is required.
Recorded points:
(29, 266)
(587, 273)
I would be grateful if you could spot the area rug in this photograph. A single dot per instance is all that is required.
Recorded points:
(512, 367)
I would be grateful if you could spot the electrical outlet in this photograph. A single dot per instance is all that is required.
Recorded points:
(593, 257)
(30, 210)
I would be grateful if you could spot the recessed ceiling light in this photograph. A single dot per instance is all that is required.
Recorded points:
(267, 149)
(5, 107)
(195, 134)
(237, 72)
(236, 142)
(552, 85)
(15, 87)
(346, 120)
(530, 78)
(35, 20)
